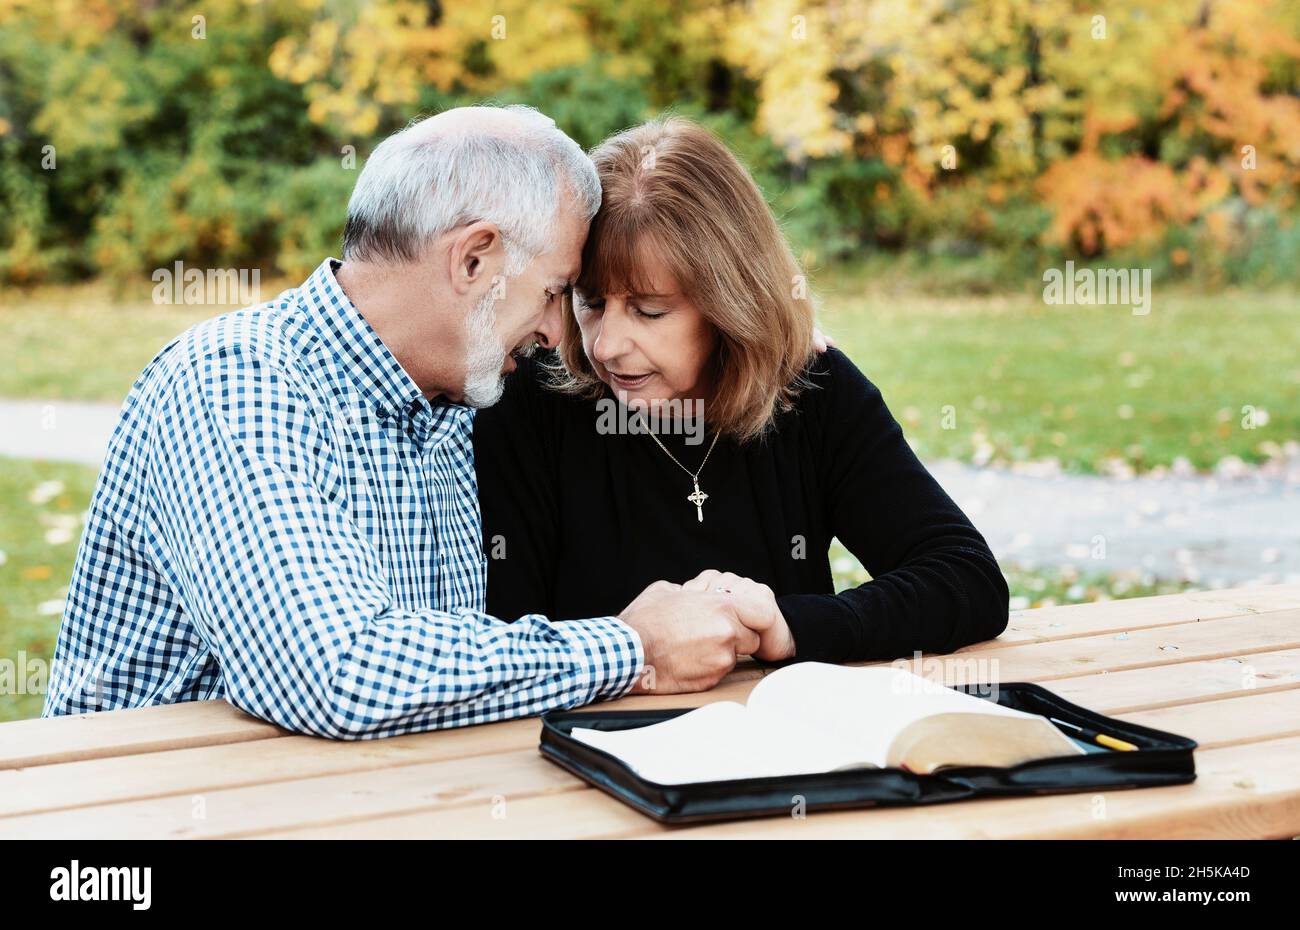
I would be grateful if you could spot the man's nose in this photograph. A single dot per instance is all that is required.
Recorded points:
(552, 325)
(611, 338)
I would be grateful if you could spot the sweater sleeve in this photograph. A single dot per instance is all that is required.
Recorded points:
(515, 462)
(936, 585)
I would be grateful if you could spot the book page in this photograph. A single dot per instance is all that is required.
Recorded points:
(716, 742)
(859, 709)
(804, 718)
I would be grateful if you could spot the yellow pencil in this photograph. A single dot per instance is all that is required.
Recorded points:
(1111, 742)
(1114, 743)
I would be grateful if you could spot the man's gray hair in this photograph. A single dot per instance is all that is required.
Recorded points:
(511, 166)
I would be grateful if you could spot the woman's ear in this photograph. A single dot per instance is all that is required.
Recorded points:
(477, 253)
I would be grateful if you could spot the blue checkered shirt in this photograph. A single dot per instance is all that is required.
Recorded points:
(284, 521)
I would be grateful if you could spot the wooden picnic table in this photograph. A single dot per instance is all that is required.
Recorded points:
(1222, 667)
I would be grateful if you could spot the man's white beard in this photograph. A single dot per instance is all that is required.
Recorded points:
(484, 382)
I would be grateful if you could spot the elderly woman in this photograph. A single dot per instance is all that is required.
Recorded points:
(595, 480)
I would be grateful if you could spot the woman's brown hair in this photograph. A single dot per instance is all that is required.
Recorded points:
(673, 188)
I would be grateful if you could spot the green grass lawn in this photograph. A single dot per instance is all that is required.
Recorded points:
(41, 507)
(82, 343)
(1020, 380)
(1078, 383)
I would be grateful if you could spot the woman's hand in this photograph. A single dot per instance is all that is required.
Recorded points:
(821, 341)
(756, 605)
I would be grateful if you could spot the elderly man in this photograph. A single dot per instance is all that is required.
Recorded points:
(287, 517)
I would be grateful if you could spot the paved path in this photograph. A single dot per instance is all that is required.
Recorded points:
(61, 430)
(1213, 531)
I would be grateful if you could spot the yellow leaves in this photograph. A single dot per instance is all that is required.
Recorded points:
(353, 69)
(790, 50)
(520, 38)
(282, 62)
(796, 113)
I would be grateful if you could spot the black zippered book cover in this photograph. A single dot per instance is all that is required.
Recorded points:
(1160, 759)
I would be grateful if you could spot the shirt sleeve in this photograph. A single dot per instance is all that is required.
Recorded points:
(254, 532)
(936, 586)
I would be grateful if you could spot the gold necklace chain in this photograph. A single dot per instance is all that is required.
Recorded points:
(697, 497)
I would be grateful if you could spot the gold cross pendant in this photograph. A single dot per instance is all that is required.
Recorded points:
(698, 499)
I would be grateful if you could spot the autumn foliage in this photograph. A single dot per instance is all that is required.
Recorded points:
(229, 132)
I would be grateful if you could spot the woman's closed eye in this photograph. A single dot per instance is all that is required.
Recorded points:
(649, 314)
(597, 305)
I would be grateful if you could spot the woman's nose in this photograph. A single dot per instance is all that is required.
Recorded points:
(612, 338)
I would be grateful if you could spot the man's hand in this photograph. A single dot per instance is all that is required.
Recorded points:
(821, 341)
(691, 638)
(758, 610)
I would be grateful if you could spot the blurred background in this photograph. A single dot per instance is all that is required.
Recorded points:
(931, 161)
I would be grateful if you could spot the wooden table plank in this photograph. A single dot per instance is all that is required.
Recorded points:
(1039, 624)
(405, 787)
(1240, 792)
(202, 769)
(1229, 722)
(1045, 624)
(49, 740)
(209, 768)
(214, 768)
(474, 780)
(1241, 637)
(1222, 667)
(1253, 598)
(1184, 682)
(1142, 648)
(163, 727)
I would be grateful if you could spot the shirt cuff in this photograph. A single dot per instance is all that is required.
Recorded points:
(609, 656)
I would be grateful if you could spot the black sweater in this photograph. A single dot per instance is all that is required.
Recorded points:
(576, 523)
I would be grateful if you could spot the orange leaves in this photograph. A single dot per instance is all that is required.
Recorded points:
(1104, 204)
(1226, 130)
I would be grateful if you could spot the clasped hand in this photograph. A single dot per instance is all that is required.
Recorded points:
(692, 633)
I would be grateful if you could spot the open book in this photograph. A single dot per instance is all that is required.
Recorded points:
(813, 717)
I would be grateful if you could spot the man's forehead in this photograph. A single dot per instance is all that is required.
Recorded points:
(563, 264)
(564, 258)
(562, 274)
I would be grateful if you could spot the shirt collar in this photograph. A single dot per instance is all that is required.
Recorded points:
(387, 388)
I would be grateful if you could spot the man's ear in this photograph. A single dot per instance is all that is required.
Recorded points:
(476, 254)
